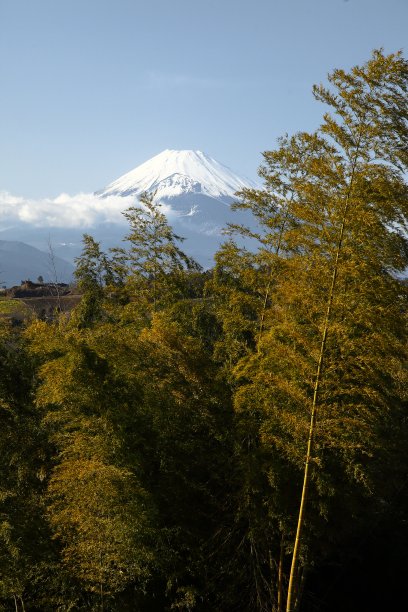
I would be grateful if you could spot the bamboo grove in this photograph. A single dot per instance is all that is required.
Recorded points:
(232, 439)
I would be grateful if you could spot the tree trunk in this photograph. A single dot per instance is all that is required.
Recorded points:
(280, 578)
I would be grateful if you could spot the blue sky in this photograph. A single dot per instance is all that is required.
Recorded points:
(92, 88)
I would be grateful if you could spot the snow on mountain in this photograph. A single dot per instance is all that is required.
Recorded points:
(173, 173)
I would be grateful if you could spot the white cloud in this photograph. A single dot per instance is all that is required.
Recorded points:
(82, 210)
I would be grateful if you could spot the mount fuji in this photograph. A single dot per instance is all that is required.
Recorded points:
(196, 192)
(174, 173)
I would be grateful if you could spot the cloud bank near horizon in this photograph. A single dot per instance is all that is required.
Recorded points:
(79, 211)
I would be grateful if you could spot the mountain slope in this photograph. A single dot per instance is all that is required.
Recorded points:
(20, 261)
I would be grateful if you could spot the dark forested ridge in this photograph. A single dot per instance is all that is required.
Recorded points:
(233, 439)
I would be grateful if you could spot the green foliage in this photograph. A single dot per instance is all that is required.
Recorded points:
(96, 276)
(153, 266)
(24, 536)
(97, 506)
(93, 267)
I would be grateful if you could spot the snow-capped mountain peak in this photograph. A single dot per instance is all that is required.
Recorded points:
(173, 173)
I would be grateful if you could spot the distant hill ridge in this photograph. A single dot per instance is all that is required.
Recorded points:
(19, 261)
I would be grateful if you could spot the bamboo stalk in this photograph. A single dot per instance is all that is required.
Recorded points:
(291, 599)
